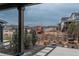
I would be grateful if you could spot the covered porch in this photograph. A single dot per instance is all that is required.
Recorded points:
(20, 7)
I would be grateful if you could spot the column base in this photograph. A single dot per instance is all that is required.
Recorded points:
(19, 54)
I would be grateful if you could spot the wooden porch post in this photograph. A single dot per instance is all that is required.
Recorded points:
(1, 33)
(20, 40)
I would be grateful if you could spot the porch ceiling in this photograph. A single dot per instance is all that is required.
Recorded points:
(4, 6)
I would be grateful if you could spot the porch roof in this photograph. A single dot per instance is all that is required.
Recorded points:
(4, 6)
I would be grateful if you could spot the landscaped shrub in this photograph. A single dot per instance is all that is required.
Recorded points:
(30, 39)
(34, 38)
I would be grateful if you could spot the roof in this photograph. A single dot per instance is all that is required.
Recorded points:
(61, 51)
(4, 6)
(64, 18)
(75, 13)
(2, 21)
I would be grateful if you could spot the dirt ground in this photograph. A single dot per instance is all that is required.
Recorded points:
(56, 38)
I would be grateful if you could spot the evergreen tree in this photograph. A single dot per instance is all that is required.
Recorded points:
(72, 30)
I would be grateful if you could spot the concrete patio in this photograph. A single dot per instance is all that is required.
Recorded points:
(61, 51)
(58, 51)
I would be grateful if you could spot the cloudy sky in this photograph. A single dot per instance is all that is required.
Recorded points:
(42, 14)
